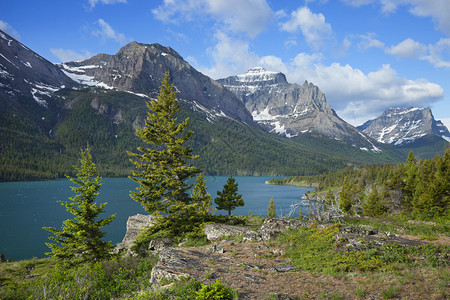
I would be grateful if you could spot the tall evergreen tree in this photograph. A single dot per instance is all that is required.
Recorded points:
(80, 238)
(271, 213)
(411, 171)
(200, 196)
(165, 165)
(228, 199)
(374, 206)
(346, 196)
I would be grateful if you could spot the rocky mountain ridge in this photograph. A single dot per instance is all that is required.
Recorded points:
(139, 68)
(400, 126)
(290, 109)
(27, 76)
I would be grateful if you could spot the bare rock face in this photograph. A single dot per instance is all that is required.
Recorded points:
(399, 126)
(135, 224)
(140, 68)
(290, 109)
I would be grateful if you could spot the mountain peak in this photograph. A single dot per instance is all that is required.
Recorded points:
(399, 126)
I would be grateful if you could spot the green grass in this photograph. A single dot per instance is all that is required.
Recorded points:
(314, 249)
(46, 279)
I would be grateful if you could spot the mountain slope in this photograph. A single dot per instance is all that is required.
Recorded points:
(25, 74)
(139, 68)
(291, 109)
(409, 129)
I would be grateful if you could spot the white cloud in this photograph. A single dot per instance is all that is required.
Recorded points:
(93, 3)
(408, 49)
(313, 26)
(107, 32)
(5, 27)
(436, 53)
(438, 10)
(369, 41)
(230, 56)
(248, 16)
(66, 55)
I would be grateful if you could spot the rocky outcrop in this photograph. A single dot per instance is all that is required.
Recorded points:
(399, 126)
(219, 231)
(135, 224)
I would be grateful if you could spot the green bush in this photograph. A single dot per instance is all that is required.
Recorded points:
(216, 291)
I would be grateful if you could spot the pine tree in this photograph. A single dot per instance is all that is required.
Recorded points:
(345, 196)
(271, 213)
(411, 171)
(163, 168)
(228, 199)
(80, 238)
(200, 196)
(374, 206)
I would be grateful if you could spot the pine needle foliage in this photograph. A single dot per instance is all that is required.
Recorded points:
(79, 240)
(228, 199)
(165, 165)
(271, 213)
(200, 196)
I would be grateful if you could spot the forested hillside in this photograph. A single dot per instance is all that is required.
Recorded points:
(417, 187)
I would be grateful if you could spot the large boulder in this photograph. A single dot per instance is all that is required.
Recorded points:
(135, 224)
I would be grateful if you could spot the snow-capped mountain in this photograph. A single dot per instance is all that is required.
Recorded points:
(291, 109)
(25, 74)
(399, 126)
(139, 69)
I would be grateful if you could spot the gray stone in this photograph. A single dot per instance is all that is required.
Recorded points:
(216, 249)
(159, 244)
(135, 224)
(217, 231)
(283, 268)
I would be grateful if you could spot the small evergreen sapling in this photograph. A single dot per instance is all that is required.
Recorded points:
(228, 199)
(271, 209)
(80, 238)
(200, 196)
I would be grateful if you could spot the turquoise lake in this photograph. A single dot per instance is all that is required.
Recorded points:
(26, 207)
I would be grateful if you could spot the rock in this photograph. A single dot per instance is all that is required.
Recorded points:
(174, 263)
(272, 227)
(216, 231)
(135, 224)
(283, 268)
(160, 244)
(216, 249)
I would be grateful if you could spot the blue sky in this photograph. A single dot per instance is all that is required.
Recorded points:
(366, 55)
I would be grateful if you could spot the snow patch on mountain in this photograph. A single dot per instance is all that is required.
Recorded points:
(399, 126)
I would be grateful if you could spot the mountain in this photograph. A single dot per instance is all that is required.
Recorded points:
(27, 75)
(48, 112)
(291, 109)
(139, 68)
(409, 128)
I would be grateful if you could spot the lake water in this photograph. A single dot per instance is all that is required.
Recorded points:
(26, 207)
